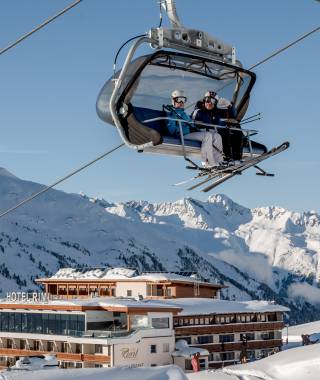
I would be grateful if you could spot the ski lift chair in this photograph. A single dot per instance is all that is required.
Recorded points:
(147, 85)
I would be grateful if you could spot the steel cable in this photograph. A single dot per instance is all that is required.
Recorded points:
(59, 181)
(46, 22)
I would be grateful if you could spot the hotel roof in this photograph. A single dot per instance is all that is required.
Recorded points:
(121, 275)
(98, 303)
(182, 306)
(205, 306)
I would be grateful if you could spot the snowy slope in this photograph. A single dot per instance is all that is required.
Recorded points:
(158, 373)
(295, 364)
(266, 253)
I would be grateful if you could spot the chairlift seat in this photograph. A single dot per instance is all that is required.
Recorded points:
(141, 114)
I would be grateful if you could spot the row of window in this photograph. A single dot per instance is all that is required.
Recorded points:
(61, 324)
(227, 338)
(250, 355)
(219, 319)
(51, 346)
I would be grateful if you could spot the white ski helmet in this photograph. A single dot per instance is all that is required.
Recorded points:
(213, 95)
(177, 94)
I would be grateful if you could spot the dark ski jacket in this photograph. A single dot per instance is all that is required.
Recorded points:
(213, 116)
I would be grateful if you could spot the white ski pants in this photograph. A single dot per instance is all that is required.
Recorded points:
(211, 146)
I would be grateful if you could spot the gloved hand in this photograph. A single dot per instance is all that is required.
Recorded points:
(224, 103)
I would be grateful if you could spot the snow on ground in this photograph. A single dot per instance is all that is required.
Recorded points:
(295, 332)
(301, 363)
(158, 373)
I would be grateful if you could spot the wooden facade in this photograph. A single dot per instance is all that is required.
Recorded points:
(228, 336)
(162, 289)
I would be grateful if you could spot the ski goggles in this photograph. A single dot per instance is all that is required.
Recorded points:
(180, 99)
(210, 99)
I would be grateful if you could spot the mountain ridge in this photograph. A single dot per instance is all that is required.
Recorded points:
(265, 252)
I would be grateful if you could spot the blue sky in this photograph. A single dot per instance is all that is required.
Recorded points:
(50, 82)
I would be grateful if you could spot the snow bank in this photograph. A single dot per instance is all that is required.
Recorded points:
(300, 363)
(159, 373)
(184, 350)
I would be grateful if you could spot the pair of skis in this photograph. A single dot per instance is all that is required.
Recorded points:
(219, 175)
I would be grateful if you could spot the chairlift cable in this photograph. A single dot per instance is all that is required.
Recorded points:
(284, 48)
(46, 22)
(59, 181)
(119, 50)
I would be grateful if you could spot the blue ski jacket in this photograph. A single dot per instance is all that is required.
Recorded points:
(173, 126)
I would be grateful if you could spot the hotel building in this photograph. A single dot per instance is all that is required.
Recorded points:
(115, 317)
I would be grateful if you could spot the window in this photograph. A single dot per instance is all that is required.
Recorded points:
(204, 339)
(50, 346)
(129, 293)
(263, 317)
(23, 344)
(138, 321)
(226, 338)
(196, 321)
(272, 317)
(160, 323)
(251, 355)
(206, 321)
(78, 348)
(153, 349)
(9, 343)
(36, 345)
(166, 347)
(267, 335)
(98, 349)
(225, 356)
(247, 336)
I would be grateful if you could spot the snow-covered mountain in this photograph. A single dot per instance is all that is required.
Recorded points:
(267, 252)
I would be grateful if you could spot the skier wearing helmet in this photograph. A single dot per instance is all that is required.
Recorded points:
(210, 110)
(211, 145)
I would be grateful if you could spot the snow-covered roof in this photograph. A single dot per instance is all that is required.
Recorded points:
(99, 302)
(93, 274)
(203, 306)
(184, 350)
(169, 276)
(123, 274)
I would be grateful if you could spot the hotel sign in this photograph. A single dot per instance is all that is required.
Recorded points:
(126, 353)
(26, 297)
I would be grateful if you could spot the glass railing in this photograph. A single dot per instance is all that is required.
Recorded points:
(104, 334)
